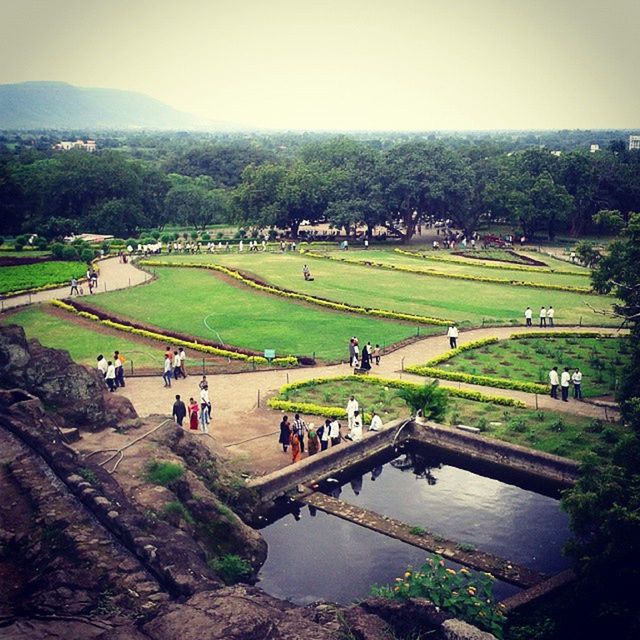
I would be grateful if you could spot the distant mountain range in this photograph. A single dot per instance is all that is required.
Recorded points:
(58, 105)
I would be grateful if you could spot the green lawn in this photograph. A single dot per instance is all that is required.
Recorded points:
(29, 276)
(463, 301)
(565, 435)
(83, 344)
(464, 268)
(181, 300)
(601, 360)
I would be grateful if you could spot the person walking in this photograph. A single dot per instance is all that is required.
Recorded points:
(376, 354)
(352, 407)
(118, 361)
(182, 356)
(356, 353)
(110, 376)
(334, 433)
(365, 364)
(576, 378)
(565, 379)
(179, 410)
(295, 447)
(528, 315)
(285, 433)
(376, 422)
(193, 414)
(352, 351)
(102, 365)
(313, 442)
(74, 287)
(299, 428)
(166, 374)
(176, 365)
(452, 334)
(554, 382)
(205, 409)
(203, 383)
(543, 317)
(323, 434)
(550, 314)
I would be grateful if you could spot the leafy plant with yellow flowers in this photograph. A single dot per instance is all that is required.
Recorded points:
(466, 595)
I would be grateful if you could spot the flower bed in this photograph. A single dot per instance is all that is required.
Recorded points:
(447, 355)
(175, 339)
(442, 274)
(340, 412)
(287, 293)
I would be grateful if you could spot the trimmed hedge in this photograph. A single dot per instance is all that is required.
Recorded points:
(477, 263)
(287, 293)
(562, 334)
(487, 381)
(447, 355)
(194, 346)
(442, 274)
(338, 412)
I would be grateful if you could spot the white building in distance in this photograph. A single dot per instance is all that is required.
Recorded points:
(66, 145)
(634, 143)
(594, 147)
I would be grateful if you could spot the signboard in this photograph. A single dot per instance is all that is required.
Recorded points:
(269, 354)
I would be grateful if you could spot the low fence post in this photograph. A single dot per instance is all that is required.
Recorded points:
(203, 371)
(536, 401)
(258, 398)
(131, 363)
(402, 364)
(580, 320)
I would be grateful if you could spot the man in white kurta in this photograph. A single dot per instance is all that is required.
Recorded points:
(356, 432)
(376, 422)
(352, 407)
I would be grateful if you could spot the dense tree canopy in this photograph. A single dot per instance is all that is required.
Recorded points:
(397, 183)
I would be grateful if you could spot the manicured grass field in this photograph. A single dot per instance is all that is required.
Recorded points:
(29, 276)
(601, 360)
(463, 301)
(181, 300)
(464, 268)
(83, 344)
(565, 435)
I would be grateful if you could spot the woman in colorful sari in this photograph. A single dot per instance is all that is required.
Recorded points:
(295, 447)
(193, 414)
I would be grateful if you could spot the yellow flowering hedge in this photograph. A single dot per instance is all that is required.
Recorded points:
(477, 263)
(487, 381)
(194, 346)
(447, 355)
(287, 293)
(444, 274)
(561, 334)
(331, 412)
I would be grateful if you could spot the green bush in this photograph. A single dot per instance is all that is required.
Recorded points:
(57, 249)
(87, 255)
(155, 234)
(417, 531)
(163, 472)
(428, 399)
(231, 568)
(69, 252)
(166, 238)
(177, 509)
(463, 594)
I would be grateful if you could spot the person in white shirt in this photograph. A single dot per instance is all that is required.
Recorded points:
(110, 376)
(543, 317)
(554, 381)
(528, 315)
(550, 314)
(334, 433)
(182, 356)
(376, 422)
(205, 409)
(452, 334)
(576, 378)
(352, 407)
(166, 374)
(565, 379)
(176, 365)
(102, 365)
(356, 431)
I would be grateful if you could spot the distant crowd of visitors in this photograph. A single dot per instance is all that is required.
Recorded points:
(112, 370)
(362, 361)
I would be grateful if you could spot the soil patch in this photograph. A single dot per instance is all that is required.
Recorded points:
(519, 259)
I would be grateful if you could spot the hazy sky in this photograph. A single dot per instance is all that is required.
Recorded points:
(344, 64)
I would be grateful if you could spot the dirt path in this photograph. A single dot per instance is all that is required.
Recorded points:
(243, 424)
(113, 275)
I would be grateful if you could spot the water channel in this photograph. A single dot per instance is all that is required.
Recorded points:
(315, 556)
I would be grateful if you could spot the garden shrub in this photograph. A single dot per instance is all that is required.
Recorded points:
(231, 568)
(163, 472)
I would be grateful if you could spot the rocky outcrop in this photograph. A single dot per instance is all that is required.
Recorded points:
(75, 393)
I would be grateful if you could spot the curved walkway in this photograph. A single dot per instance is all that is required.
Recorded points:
(113, 275)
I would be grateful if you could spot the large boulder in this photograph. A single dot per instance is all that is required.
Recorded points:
(76, 393)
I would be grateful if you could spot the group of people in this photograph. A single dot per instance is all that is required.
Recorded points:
(198, 411)
(362, 361)
(295, 434)
(546, 315)
(564, 381)
(112, 370)
(173, 366)
(92, 283)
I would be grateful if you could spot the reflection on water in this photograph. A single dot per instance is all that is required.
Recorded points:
(321, 557)
(511, 522)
